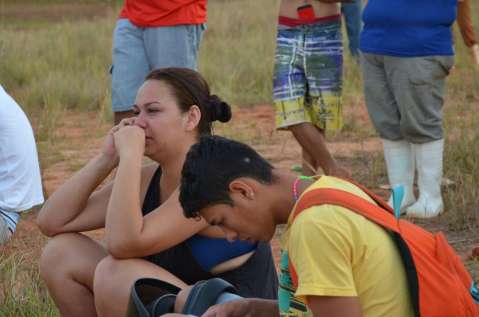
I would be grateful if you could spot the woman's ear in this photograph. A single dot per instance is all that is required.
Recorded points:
(192, 118)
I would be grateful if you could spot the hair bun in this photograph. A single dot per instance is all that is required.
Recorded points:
(220, 110)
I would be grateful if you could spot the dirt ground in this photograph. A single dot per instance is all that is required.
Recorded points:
(81, 136)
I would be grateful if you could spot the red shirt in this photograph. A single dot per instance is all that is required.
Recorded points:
(145, 13)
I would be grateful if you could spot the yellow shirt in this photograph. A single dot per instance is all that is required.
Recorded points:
(337, 252)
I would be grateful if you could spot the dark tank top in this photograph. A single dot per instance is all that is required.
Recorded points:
(255, 278)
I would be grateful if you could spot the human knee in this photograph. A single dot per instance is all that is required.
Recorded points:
(421, 134)
(105, 269)
(300, 127)
(388, 131)
(57, 254)
(109, 283)
(387, 126)
(181, 299)
(103, 280)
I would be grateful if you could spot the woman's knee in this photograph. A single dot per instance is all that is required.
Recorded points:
(110, 283)
(105, 269)
(70, 255)
(104, 278)
(181, 298)
(56, 253)
(418, 134)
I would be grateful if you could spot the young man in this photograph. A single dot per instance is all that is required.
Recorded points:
(345, 264)
(20, 180)
(308, 78)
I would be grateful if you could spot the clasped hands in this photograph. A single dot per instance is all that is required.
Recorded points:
(125, 140)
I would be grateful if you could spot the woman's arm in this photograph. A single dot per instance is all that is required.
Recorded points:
(73, 207)
(132, 235)
(128, 233)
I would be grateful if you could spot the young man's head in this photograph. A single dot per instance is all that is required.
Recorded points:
(229, 185)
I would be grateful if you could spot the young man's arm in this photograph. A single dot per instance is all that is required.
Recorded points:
(336, 1)
(247, 307)
(333, 306)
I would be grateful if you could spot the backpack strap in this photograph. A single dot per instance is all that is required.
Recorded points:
(382, 214)
(331, 196)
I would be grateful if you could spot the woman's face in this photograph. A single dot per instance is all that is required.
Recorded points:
(158, 113)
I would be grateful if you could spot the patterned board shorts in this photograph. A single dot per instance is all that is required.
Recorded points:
(308, 75)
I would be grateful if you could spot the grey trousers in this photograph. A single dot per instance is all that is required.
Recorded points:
(405, 95)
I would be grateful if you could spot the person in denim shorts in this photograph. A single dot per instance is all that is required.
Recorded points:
(308, 79)
(152, 34)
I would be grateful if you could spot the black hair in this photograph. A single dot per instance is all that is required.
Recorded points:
(190, 88)
(211, 165)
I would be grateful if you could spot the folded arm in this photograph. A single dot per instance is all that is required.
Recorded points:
(73, 207)
(128, 233)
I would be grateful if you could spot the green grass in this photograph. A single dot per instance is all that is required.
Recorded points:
(22, 292)
(237, 53)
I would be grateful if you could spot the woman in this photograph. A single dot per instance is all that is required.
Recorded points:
(404, 89)
(146, 234)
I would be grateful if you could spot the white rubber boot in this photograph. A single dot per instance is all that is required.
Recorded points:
(429, 168)
(400, 166)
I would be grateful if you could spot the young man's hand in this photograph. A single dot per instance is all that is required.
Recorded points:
(244, 308)
(336, 1)
(236, 308)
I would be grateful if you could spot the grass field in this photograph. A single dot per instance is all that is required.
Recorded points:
(54, 59)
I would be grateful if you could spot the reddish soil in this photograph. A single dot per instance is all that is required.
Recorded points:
(81, 136)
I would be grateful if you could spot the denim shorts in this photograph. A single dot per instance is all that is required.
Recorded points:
(138, 50)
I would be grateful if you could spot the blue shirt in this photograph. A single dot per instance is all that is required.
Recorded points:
(408, 28)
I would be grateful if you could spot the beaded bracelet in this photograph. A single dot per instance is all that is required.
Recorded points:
(295, 185)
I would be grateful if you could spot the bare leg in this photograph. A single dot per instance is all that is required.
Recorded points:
(181, 299)
(67, 265)
(312, 141)
(114, 278)
(309, 165)
(118, 116)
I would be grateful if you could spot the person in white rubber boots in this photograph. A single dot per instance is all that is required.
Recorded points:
(404, 82)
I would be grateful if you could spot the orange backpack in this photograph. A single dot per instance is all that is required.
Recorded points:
(438, 281)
